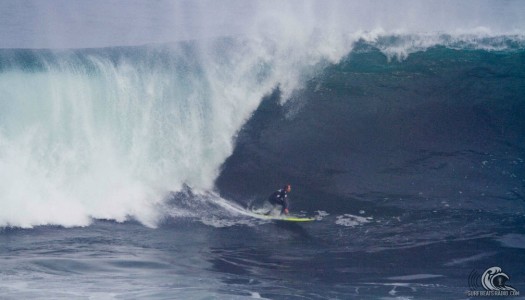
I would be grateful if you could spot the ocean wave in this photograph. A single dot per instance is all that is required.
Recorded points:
(109, 133)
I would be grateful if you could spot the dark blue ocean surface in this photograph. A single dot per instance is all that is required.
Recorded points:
(408, 256)
(414, 168)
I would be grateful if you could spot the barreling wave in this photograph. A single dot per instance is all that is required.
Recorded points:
(109, 133)
(441, 128)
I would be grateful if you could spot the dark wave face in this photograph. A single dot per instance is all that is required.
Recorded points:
(443, 128)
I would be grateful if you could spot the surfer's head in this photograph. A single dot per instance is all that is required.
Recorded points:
(288, 188)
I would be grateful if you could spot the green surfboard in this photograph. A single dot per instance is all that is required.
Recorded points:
(287, 218)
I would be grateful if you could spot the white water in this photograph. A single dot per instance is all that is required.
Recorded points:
(97, 138)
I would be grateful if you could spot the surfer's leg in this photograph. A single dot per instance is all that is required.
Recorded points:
(275, 211)
(272, 208)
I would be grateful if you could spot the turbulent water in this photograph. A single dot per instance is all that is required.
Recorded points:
(132, 172)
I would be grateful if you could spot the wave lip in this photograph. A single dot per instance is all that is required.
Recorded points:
(400, 46)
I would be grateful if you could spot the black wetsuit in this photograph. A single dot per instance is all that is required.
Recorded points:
(279, 197)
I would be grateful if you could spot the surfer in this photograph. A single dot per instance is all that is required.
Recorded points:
(280, 197)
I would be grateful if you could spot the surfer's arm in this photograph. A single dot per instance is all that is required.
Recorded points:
(285, 206)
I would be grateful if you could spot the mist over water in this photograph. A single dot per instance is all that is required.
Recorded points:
(80, 24)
